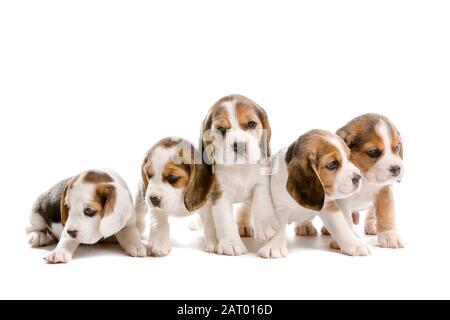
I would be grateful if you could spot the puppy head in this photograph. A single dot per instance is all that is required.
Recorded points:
(174, 176)
(236, 131)
(376, 148)
(319, 168)
(88, 207)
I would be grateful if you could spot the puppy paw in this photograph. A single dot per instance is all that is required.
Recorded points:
(136, 250)
(37, 239)
(211, 246)
(325, 231)
(306, 229)
(391, 239)
(246, 231)
(158, 248)
(266, 229)
(370, 227)
(231, 248)
(356, 248)
(273, 252)
(58, 256)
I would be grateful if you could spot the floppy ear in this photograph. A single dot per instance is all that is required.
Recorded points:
(304, 184)
(205, 144)
(200, 185)
(144, 175)
(63, 207)
(267, 132)
(112, 220)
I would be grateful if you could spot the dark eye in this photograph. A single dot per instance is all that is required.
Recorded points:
(374, 153)
(333, 165)
(89, 212)
(252, 125)
(222, 130)
(172, 179)
(399, 146)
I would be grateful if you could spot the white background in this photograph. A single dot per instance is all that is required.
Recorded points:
(92, 84)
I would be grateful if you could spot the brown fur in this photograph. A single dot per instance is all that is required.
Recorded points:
(309, 179)
(64, 206)
(106, 196)
(361, 137)
(97, 177)
(385, 211)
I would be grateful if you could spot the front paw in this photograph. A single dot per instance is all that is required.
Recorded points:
(354, 248)
(266, 229)
(273, 252)
(158, 248)
(306, 229)
(210, 246)
(231, 248)
(246, 231)
(391, 239)
(370, 227)
(136, 250)
(58, 256)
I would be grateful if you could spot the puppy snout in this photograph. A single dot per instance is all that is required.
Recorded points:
(356, 179)
(239, 147)
(156, 201)
(72, 233)
(395, 170)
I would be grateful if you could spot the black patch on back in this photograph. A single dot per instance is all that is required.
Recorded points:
(48, 205)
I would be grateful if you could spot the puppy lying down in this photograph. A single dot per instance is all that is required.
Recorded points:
(85, 209)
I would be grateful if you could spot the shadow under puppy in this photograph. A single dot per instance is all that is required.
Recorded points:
(175, 182)
(85, 209)
(308, 178)
(377, 150)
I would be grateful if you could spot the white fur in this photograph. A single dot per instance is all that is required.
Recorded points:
(289, 211)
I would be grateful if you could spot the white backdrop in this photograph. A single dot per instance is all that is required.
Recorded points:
(91, 84)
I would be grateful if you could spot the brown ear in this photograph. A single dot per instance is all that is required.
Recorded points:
(144, 174)
(267, 132)
(205, 143)
(200, 185)
(64, 208)
(107, 195)
(303, 183)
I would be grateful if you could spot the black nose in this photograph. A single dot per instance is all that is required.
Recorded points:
(356, 179)
(72, 233)
(156, 201)
(395, 170)
(239, 147)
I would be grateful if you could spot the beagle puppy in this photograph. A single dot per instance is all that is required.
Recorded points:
(235, 139)
(85, 209)
(308, 179)
(175, 182)
(377, 150)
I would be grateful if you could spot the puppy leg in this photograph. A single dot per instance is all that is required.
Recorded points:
(38, 233)
(159, 241)
(64, 250)
(265, 222)
(209, 229)
(230, 242)
(388, 236)
(130, 240)
(141, 210)
(370, 227)
(276, 247)
(344, 236)
(305, 229)
(244, 219)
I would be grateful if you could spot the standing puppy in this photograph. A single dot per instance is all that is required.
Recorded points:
(175, 182)
(377, 150)
(310, 177)
(85, 209)
(235, 138)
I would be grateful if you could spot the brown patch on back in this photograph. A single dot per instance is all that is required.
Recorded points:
(361, 137)
(97, 177)
(385, 211)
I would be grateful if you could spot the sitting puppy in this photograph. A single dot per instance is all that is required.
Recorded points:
(308, 179)
(85, 209)
(235, 140)
(175, 182)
